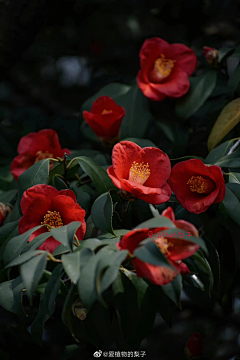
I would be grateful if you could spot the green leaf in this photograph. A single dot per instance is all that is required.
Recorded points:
(7, 231)
(83, 198)
(234, 178)
(65, 234)
(31, 272)
(89, 283)
(47, 304)
(152, 255)
(231, 201)
(201, 88)
(233, 82)
(160, 221)
(224, 51)
(102, 212)
(8, 196)
(37, 174)
(37, 242)
(219, 152)
(58, 183)
(136, 106)
(112, 270)
(226, 121)
(173, 290)
(24, 258)
(11, 295)
(15, 245)
(73, 263)
(99, 176)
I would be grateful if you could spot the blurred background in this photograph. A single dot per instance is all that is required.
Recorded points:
(56, 54)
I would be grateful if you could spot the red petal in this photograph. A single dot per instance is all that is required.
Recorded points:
(216, 171)
(184, 225)
(21, 163)
(145, 86)
(69, 193)
(158, 198)
(182, 268)
(104, 103)
(123, 155)
(181, 249)
(175, 85)
(70, 211)
(184, 56)
(36, 201)
(159, 165)
(158, 275)
(131, 240)
(44, 140)
(151, 50)
(169, 213)
(119, 184)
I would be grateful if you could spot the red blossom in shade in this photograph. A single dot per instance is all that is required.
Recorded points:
(165, 69)
(43, 204)
(197, 186)
(4, 211)
(175, 250)
(141, 172)
(105, 118)
(211, 55)
(194, 346)
(35, 147)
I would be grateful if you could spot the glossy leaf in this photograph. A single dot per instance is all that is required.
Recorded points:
(232, 201)
(201, 88)
(226, 121)
(31, 272)
(73, 263)
(65, 234)
(102, 212)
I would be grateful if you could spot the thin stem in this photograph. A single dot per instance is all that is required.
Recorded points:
(234, 147)
(76, 238)
(52, 258)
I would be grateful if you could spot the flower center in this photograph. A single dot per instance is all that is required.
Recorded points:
(162, 69)
(106, 112)
(40, 155)
(52, 218)
(139, 172)
(200, 185)
(163, 244)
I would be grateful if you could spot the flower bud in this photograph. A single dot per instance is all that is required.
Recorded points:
(194, 346)
(211, 55)
(4, 211)
(79, 310)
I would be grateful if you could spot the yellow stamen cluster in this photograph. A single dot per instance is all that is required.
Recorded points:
(52, 218)
(139, 172)
(106, 112)
(197, 184)
(43, 155)
(164, 66)
(163, 244)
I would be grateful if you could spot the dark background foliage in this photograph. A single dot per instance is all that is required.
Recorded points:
(54, 55)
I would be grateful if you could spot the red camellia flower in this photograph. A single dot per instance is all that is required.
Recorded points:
(105, 118)
(165, 69)
(194, 346)
(35, 147)
(196, 185)
(43, 204)
(174, 249)
(4, 211)
(141, 172)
